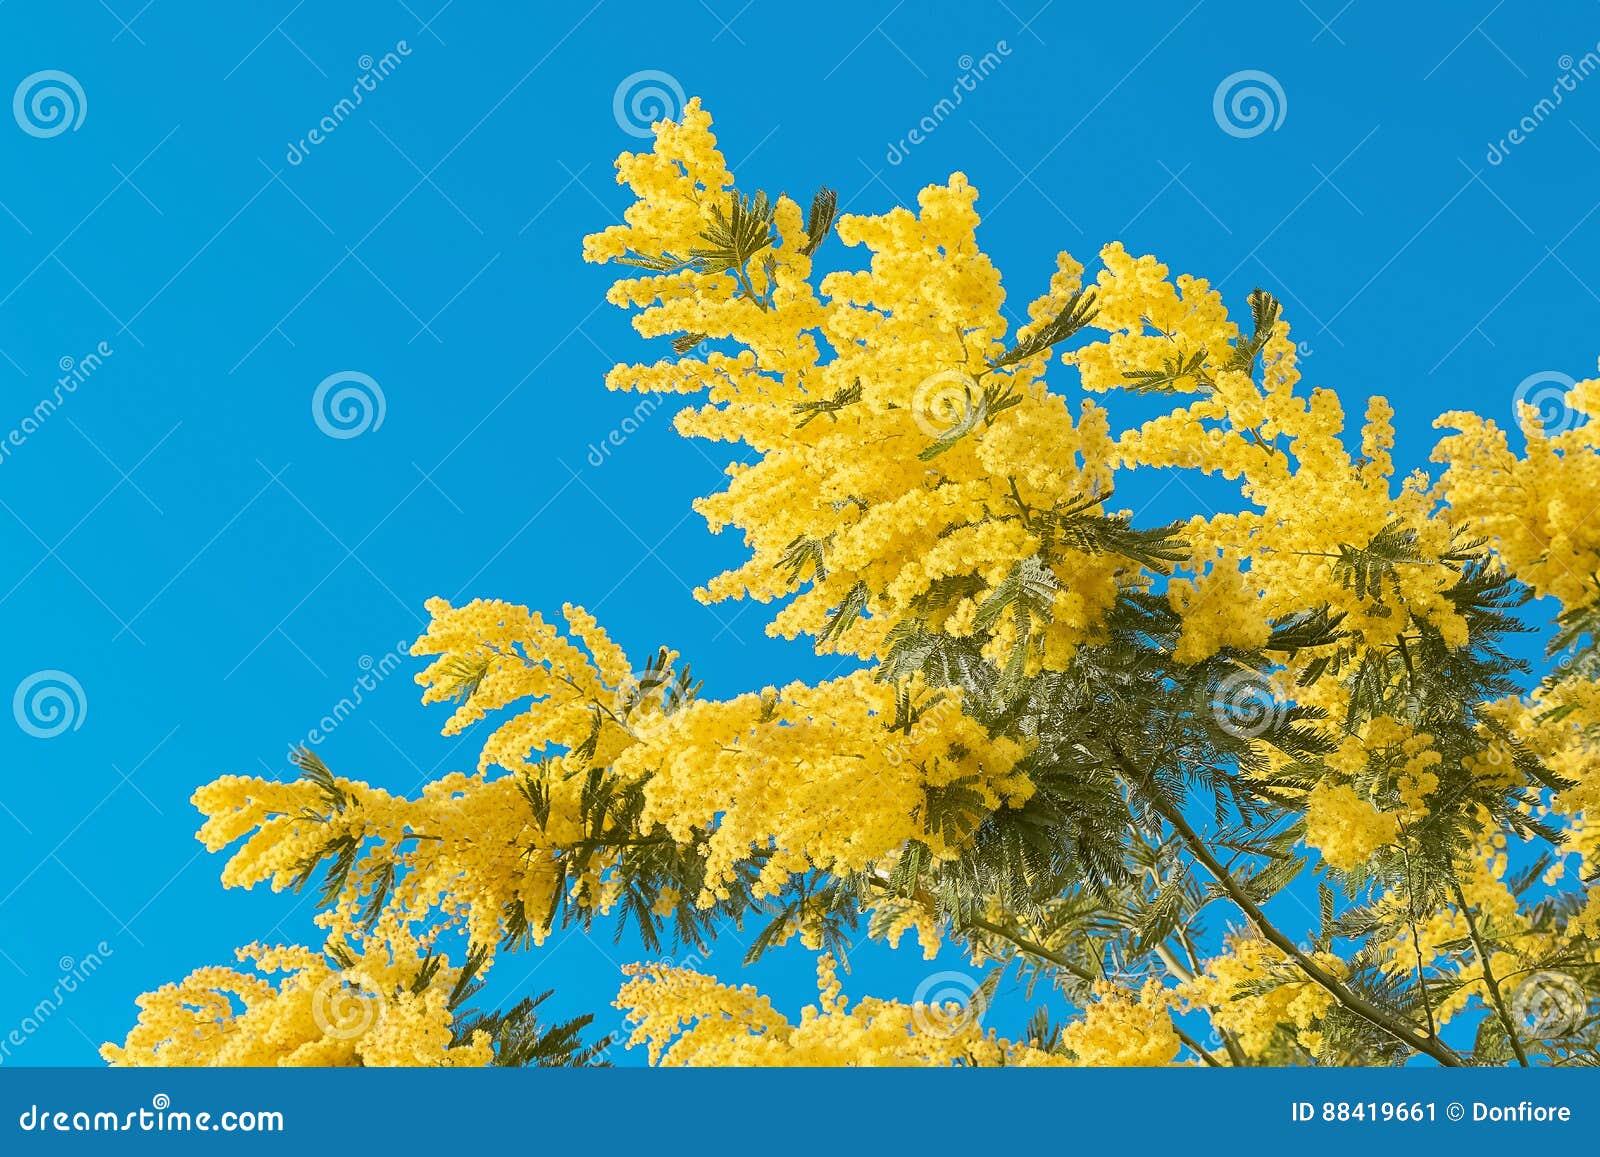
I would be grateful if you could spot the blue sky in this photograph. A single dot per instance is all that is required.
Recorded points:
(214, 572)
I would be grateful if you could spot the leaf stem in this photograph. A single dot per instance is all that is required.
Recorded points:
(1341, 992)
(1489, 980)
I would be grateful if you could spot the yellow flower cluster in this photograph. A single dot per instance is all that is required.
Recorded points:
(1435, 946)
(844, 443)
(1345, 827)
(811, 776)
(470, 846)
(385, 1007)
(911, 472)
(891, 918)
(689, 1019)
(1381, 778)
(908, 463)
(816, 774)
(1558, 724)
(1252, 992)
(1539, 508)
(1307, 497)
(466, 847)
(1122, 1029)
(491, 654)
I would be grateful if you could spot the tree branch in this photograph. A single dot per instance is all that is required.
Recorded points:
(1488, 974)
(1341, 992)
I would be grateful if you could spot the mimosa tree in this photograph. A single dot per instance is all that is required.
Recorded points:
(1084, 749)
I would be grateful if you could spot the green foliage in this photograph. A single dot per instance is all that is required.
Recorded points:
(1078, 312)
(734, 238)
(844, 616)
(819, 222)
(1265, 311)
(519, 1038)
(830, 406)
(1172, 373)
